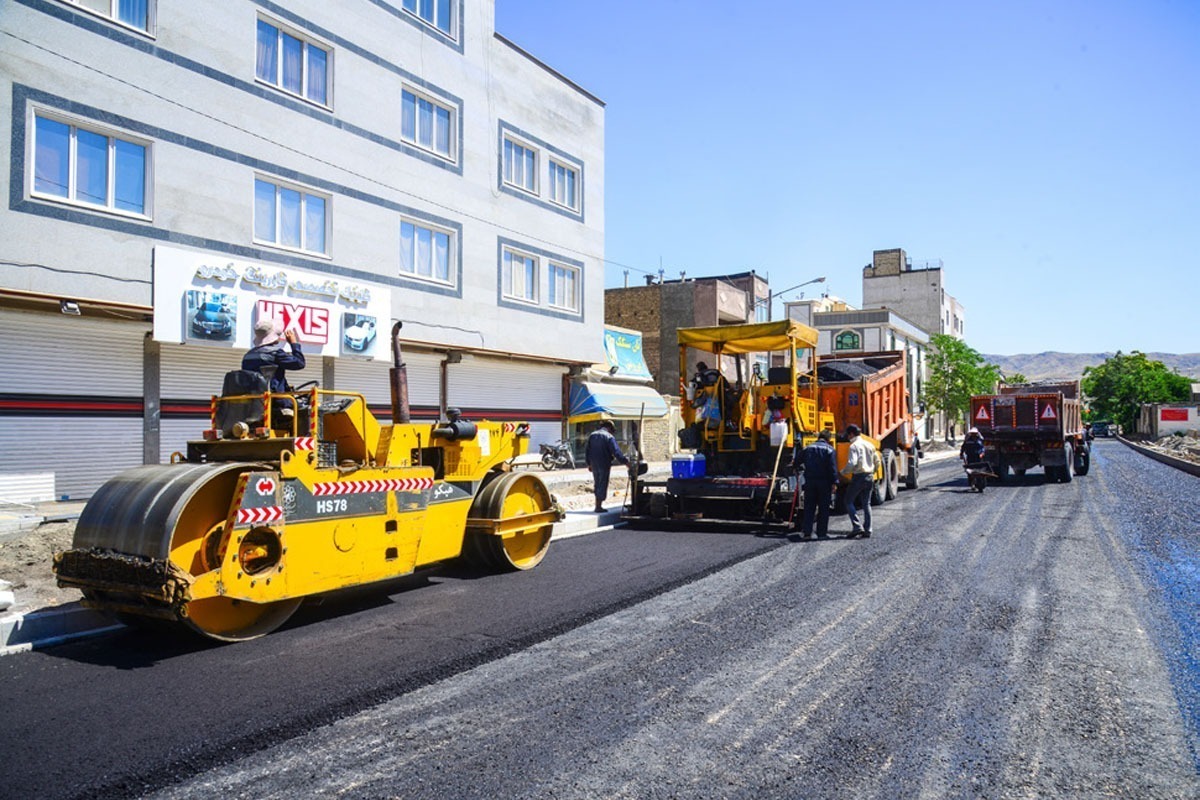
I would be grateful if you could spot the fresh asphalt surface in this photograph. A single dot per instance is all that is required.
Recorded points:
(1039, 640)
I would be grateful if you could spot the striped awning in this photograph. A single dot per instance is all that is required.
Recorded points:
(593, 401)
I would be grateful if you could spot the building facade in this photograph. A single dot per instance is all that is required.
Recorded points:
(660, 308)
(182, 168)
(850, 331)
(916, 294)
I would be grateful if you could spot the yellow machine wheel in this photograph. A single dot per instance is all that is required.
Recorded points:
(194, 545)
(511, 495)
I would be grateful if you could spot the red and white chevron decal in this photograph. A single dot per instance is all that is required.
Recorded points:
(362, 487)
(303, 443)
(247, 516)
(508, 427)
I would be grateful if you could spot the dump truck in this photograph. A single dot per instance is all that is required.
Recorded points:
(754, 397)
(289, 496)
(1030, 425)
(871, 391)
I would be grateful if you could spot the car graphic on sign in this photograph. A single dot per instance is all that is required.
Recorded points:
(360, 335)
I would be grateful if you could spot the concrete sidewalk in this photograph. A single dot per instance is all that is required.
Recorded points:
(26, 630)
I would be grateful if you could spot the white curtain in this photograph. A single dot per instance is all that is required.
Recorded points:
(441, 256)
(133, 12)
(318, 80)
(267, 67)
(293, 64)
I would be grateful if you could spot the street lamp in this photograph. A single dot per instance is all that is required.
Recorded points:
(773, 295)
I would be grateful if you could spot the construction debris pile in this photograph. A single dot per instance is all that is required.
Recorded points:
(1185, 446)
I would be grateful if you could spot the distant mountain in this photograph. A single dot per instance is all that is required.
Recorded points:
(1069, 366)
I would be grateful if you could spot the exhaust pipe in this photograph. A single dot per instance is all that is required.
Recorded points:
(399, 381)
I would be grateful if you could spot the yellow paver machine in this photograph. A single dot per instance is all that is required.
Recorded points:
(288, 496)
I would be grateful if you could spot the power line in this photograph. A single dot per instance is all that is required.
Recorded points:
(347, 170)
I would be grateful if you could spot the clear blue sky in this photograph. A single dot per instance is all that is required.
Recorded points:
(1047, 152)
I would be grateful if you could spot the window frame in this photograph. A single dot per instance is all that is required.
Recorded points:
(112, 136)
(511, 144)
(451, 155)
(837, 340)
(305, 192)
(111, 15)
(451, 31)
(555, 267)
(508, 254)
(451, 280)
(555, 163)
(307, 41)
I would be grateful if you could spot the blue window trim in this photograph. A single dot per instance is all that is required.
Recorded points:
(541, 310)
(543, 181)
(435, 33)
(93, 24)
(18, 202)
(425, 286)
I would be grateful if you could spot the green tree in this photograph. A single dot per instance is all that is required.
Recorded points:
(1117, 388)
(1016, 377)
(956, 371)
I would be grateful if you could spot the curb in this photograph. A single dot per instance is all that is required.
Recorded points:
(1171, 461)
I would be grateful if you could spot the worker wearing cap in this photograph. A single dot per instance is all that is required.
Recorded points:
(268, 350)
(601, 450)
(860, 467)
(818, 462)
(972, 448)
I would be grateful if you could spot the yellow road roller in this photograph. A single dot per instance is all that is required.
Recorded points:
(288, 496)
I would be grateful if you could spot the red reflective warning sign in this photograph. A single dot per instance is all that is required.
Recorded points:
(1173, 415)
(1049, 412)
(982, 415)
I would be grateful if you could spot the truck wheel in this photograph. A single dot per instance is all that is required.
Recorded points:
(891, 475)
(1083, 461)
(1067, 471)
(877, 491)
(912, 479)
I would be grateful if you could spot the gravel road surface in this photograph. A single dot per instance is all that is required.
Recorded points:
(1038, 640)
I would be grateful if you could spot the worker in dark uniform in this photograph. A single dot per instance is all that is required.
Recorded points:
(818, 463)
(269, 351)
(601, 451)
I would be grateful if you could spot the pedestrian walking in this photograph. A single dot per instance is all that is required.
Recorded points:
(818, 464)
(860, 467)
(601, 451)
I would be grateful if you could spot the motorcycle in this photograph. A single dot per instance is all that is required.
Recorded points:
(557, 455)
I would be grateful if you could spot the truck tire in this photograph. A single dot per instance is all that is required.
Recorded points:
(891, 475)
(1083, 460)
(1067, 470)
(912, 479)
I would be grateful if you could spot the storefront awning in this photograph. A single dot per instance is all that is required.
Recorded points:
(593, 401)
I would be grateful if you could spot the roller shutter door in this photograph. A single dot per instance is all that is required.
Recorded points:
(372, 379)
(190, 375)
(505, 389)
(72, 398)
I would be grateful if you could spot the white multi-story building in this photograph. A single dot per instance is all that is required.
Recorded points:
(916, 293)
(181, 168)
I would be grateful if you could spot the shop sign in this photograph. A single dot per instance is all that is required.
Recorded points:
(623, 350)
(212, 299)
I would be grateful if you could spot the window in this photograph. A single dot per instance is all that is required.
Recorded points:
(847, 340)
(426, 123)
(520, 166)
(294, 65)
(436, 12)
(564, 287)
(425, 252)
(84, 165)
(286, 216)
(134, 13)
(563, 181)
(520, 276)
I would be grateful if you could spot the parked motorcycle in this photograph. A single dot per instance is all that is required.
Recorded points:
(557, 455)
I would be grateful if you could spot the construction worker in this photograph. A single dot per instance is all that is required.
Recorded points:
(601, 450)
(860, 467)
(818, 463)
